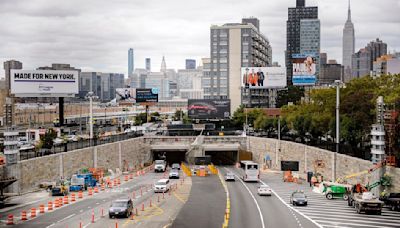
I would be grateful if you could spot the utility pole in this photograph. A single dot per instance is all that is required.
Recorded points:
(338, 83)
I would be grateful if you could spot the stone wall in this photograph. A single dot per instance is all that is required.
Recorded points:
(32, 172)
(309, 156)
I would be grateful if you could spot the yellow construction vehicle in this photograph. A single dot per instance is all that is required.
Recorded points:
(344, 179)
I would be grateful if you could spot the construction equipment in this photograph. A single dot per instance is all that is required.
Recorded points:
(364, 202)
(368, 171)
(336, 191)
(60, 189)
(81, 182)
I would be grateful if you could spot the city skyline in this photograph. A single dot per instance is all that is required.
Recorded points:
(46, 32)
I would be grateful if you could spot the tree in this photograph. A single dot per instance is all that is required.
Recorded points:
(47, 138)
(292, 94)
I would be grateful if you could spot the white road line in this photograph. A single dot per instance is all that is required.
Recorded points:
(254, 199)
(68, 217)
(305, 216)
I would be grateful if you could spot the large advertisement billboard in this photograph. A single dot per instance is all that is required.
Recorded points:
(44, 83)
(304, 69)
(209, 108)
(263, 77)
(126, 94)
(146, 95)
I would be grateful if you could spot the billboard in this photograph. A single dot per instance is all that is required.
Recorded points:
(209, 108)
(146, 95)
(44, 83)
(126, 94)
(289, 166)
(263, 77)
(304, 69)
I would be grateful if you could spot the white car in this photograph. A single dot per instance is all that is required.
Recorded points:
(229, 177)
(162, 185)
(264, 190)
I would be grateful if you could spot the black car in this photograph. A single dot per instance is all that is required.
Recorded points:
(298, 199)
(121, 207)
(391, 200)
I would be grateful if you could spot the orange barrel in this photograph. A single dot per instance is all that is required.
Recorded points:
(90, 191)
(50, 206)
(131, 176)
(33, 212)
(80, 194)
(41, 209)
(96, 189)
(10, 219)
(103, 187)
(60, 200)
(73, 197)
(126, 177)
(23, 216)
(57, 203)
(66, 201)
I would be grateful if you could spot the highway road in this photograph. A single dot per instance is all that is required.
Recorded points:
(82, 211)
(248, 209)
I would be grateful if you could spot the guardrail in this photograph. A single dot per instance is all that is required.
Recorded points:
(186, 170)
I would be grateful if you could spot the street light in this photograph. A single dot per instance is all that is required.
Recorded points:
(337, 83)
(90, 95)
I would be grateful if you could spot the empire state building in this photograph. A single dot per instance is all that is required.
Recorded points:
(348, 45)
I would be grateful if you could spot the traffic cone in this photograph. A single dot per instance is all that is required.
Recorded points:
(60, 200)
(73, 197)
(41, 209)
(96, 189)
(80, 194)
(57, 203)
(33, 212)
(131, 176)
(23, 216)
(115, 182)
(126, 178)
(102, 212)
(119, 181)
(90, 191)
(103, 187)
(93, 216)
(50, 206)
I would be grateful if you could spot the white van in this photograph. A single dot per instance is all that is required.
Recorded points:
(162, 185)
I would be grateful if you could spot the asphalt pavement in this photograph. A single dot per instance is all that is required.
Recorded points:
(248, 209)
(206, 204)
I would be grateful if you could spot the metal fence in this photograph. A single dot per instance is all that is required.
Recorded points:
(69, 146)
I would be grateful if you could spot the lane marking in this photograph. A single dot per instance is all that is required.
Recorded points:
(305, 216)
(254, 199)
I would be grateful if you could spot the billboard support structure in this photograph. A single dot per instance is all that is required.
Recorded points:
(61, 111)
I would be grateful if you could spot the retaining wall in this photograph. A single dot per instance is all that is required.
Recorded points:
(309, 156)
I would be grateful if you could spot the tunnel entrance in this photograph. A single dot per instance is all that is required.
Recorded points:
(171, 156)
(222, 157)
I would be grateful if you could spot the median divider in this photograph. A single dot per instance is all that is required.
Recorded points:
(186, 170)
(225, 224)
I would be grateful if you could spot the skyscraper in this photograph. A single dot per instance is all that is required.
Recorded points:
(310, 36)
(163, 65)
(232, 46)
(8, 66)
(148, 64)
(295, 15)
(190, 64)
(348, 45)
(130, 62)
(362, 61)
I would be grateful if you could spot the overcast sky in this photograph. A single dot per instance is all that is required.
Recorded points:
(95, 35)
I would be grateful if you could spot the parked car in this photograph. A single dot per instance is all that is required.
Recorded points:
(121, 207)
(176, 166)
(162, 185)
(298, 198)
(264, 190)
(229, 177)
(174, 173)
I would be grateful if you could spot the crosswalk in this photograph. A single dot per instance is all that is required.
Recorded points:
(331, 213)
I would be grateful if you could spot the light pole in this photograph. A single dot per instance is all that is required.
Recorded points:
(337, 83)
(90, 95)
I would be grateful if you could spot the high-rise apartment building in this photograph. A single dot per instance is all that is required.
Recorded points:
(236, 45)
(310, 36)
(348, 46)
(363, 60)
(295, 15)
(148, 64)
(190, 64)
(131, 62)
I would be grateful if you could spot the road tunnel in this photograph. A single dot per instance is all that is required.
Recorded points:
(171, 156)
(222, 157)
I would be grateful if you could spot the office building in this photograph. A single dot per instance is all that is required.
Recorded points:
(348, 46)
(310, 35)
(138, 78)
(89, 82)
(386, 64)
(190, 64)
(59, 66)
(131, 61)
(329, 72)
(148, 64)
(8, 66)
(295, 15)
(323, 58)
(187, 78)
(102, 85)
(363, 60)
(160, 81)
(236, 45)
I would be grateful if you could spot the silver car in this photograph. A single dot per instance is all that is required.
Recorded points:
(174, 174)
(229, 177)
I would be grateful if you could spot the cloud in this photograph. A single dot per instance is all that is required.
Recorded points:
(96, 34)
